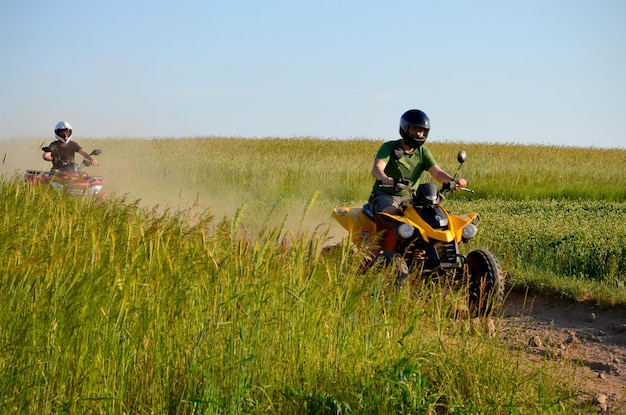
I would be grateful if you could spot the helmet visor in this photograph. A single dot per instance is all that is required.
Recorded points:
(63, 134)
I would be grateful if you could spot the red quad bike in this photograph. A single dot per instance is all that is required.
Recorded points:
(428, 242)
(70, 178)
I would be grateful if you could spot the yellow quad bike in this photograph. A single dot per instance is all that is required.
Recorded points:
(428, 242)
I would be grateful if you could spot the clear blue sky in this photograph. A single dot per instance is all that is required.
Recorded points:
(537, 71)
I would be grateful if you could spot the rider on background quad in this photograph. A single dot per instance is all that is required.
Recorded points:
(414, 159)
(63, 149)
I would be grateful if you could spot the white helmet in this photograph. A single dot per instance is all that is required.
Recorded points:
(63, 125)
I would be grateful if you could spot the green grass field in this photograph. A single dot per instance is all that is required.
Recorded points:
(198, 286)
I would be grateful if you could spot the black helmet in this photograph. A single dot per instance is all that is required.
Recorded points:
(419, 119)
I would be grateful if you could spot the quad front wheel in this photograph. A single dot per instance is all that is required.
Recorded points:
(486, 282)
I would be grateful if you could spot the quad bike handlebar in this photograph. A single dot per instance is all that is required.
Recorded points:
(400, 184)
(453, 186)
(449, 187)
(76, 167)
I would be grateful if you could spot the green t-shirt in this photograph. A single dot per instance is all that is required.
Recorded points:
(409, 167)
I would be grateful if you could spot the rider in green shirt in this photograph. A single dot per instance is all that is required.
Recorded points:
(410, 166)
(411, 159)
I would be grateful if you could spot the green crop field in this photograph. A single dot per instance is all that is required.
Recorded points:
(198, 287)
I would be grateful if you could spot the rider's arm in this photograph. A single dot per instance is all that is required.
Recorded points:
(88, 157)
(47, 156)
(378, 171)
(442, 177)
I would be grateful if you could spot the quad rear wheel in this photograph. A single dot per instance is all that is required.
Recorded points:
(486, 282)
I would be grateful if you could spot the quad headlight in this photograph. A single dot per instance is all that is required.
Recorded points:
(405, 231)
(96, 189)
(56, 185)
(469, 231)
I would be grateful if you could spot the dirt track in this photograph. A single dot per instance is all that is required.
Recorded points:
(588, 341)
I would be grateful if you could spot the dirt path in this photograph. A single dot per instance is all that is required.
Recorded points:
(589, 340)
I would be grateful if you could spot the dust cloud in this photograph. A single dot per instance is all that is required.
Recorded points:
(150, 191)
(17, 156)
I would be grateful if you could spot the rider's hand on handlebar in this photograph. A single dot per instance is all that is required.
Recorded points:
(387, 181)
(455, 184)
(398, 184)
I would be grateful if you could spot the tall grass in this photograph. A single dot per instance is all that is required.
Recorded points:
(199, 288)
(116, 308)
(268, 169)
(275, 176)
(573, 249)
(547, 211)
